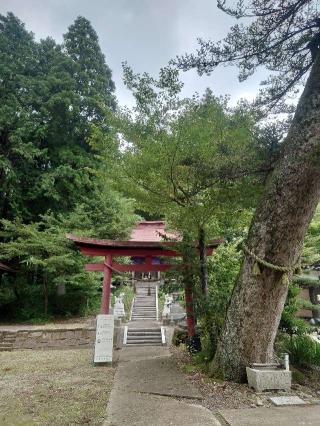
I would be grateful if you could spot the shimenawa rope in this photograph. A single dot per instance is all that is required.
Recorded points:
(286, 270)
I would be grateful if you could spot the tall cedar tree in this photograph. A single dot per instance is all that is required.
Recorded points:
(285, 38)
(20, 126)
(54, 100)
(93, 76)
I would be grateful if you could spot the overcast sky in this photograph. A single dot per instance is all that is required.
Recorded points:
(145, 33)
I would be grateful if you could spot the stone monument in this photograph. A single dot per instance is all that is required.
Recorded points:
(118, 309)
(103, 347)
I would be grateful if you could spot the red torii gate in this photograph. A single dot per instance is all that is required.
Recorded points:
(150, 246)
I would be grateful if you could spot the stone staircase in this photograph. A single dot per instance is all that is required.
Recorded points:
(143, 329)
(145, 304)
(7, 340)
(144, 336)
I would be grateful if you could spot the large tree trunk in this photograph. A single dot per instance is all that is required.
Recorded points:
(276, 235)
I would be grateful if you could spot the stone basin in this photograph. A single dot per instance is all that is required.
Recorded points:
(269, 377)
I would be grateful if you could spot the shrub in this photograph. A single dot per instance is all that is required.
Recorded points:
(289, 322)
(223, 269)
(303, 351)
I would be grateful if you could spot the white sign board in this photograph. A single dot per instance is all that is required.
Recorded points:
(104, 338)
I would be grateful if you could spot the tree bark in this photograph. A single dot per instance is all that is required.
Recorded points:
(203, 261)
(276, 235)
(188, 289)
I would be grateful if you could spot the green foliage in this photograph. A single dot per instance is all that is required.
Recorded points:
(191, 163)
(179, 336)
(92, 75)
(54, 133)
(311, 248)
(305, 280)
(289, 322)
(298, 376)
(279, 36)
(42, 251)
(54, 101)
(224, 267)
(303, 351)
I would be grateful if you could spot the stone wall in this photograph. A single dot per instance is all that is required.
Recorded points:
(50, 338)
(55, 338)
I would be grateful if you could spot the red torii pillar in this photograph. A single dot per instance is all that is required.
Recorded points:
(106, 287)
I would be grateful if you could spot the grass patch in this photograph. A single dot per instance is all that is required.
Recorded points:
(303, 351)
(57, 388)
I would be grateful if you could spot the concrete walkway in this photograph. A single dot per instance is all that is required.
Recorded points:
(307, 415)
(149, 390)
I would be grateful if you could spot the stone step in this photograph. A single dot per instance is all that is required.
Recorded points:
(147, 298)
(144, 336)
(141, 317)
(145, 307)
(144, 333)
(5, 348)
(144, 344)
(144, 341)
(151, 306)
(158, 329)
(146, 304)
(143, 310)
(140, 313)
(144, 300)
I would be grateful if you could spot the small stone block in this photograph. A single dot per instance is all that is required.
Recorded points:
(268, 379)
(287, 400)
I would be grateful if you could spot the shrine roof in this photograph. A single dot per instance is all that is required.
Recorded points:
(146, 234)
(153, 231)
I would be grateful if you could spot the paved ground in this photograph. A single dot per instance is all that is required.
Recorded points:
(150, 390)
(277, 416)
